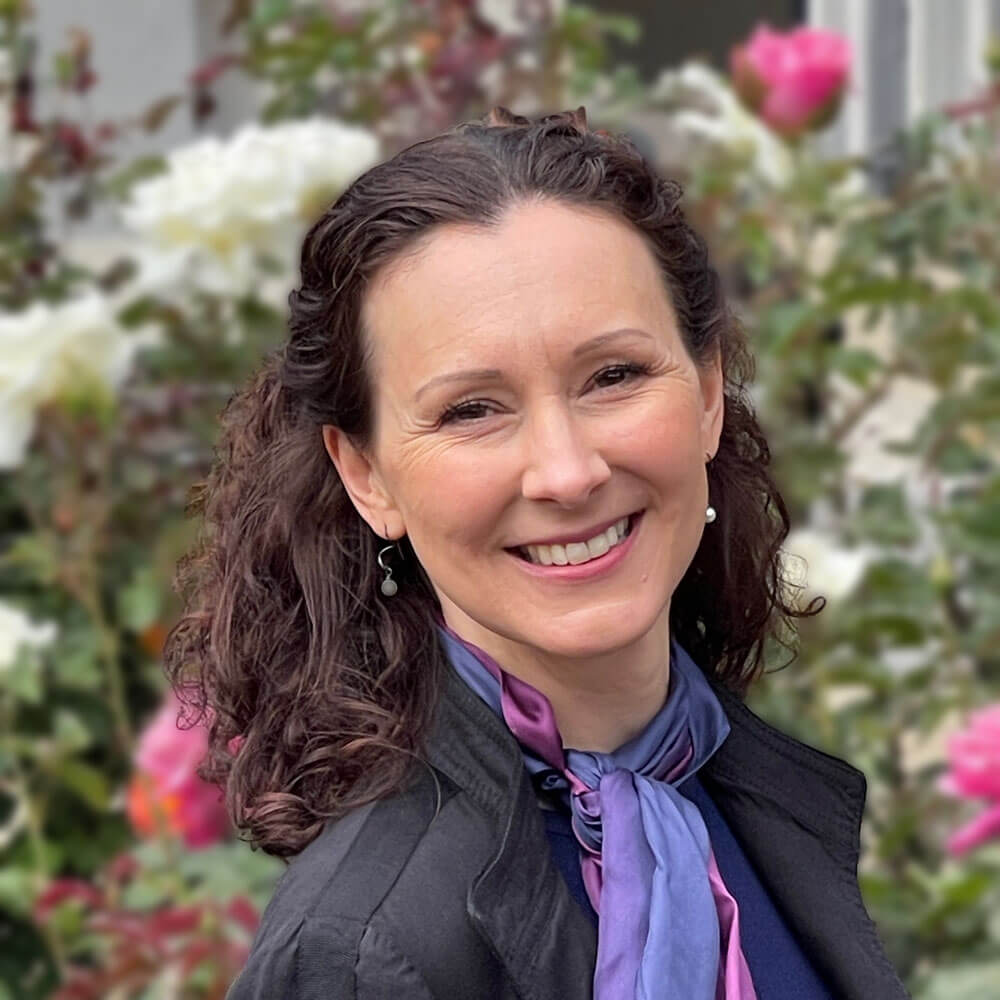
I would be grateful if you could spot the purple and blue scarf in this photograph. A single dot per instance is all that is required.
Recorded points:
(668, 926)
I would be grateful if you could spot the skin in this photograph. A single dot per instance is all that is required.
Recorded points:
(548, 449)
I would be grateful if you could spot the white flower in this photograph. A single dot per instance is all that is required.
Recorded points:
(169, 272)
(220, 203)
(813, 561)
(17, 629)
(838, 697)
(46, 350)
(919, 749)
(503, 15)
(709, 110)
(894, 419)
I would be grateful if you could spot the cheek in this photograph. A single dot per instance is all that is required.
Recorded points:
(456, 501)
(667, 444)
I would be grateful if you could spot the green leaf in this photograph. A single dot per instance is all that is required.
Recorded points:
(120, 184)
(75, 659)
(85, 781)
(139, 603)
(266, 12)
(883, 517)
(158, 112)
(37, 553)
(70, 732)
(780, 324)
(16, 889)
(621, 26)
(968, 981)
(856, 363)
(228, 869)
(23, 678)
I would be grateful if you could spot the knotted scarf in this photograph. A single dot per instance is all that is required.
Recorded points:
(668, 927)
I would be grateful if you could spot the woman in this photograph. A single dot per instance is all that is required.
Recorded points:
(495, 555)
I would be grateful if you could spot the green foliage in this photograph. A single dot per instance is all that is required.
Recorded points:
(913, 286)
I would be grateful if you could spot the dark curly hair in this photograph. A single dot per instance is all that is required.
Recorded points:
(285, 643)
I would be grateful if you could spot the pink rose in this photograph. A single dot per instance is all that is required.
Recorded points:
(974, 756)
(165, 793)
(794, 81)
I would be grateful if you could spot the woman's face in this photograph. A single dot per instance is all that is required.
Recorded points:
(555, 433)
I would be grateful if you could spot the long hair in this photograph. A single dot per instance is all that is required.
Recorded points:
(286, 643)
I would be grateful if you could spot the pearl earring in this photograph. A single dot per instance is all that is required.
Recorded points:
(710, 510)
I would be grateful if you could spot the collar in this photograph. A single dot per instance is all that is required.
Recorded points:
(796, 810)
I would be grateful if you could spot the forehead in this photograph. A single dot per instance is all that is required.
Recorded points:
(549, 272)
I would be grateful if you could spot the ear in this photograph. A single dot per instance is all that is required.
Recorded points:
(363, 484)
(713, 393)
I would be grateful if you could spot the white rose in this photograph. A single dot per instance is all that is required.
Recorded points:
(48, 349)
(17, 629)
(502, 15)
(230, 200)
(170, 272)
(711, 111)
(813, 561)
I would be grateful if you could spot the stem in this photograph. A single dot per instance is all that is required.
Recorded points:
(20, 789)
(110, 646)
(109, 650)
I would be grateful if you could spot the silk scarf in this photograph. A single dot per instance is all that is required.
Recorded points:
(668, 926)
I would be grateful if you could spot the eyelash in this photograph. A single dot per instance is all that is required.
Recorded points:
(453, 413)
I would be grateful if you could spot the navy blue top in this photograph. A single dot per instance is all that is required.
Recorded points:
(780, 969)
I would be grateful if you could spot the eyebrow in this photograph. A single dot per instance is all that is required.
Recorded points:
(495, 374)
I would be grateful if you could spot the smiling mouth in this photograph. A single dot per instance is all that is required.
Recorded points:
(522, 553)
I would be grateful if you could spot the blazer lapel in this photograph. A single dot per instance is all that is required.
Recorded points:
(797, 812)
(520, 902)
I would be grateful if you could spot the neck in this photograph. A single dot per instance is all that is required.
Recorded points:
(601, 699)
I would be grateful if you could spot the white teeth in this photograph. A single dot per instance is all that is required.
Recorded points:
(579, 552)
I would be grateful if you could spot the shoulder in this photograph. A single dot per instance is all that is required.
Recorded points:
(348, 918)
(330, 958)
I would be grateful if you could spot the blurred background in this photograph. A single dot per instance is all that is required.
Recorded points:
(159, 164)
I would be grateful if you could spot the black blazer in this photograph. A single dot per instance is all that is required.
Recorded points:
(448, 891)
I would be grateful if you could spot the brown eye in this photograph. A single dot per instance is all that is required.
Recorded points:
(626, 370)
(461, 412)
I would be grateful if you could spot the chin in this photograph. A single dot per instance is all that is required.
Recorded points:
(583, 636)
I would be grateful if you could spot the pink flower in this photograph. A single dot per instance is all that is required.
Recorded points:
(794, 81)
(974, 757)
(166, 794)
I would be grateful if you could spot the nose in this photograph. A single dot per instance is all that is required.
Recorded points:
(562, 465)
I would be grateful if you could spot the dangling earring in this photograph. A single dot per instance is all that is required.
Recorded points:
(389, 586)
